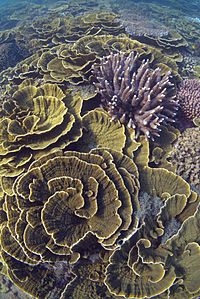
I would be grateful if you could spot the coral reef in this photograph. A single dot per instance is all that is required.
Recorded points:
(48, 32)
(173, 44)
(136, 24)
(154, 33)
(53, 228)
(188, 95)
(73, 62)
(81, 192)
(10, 55)
(99, 191)
(188, 28)
(141, 263)
(133, 93)
(186, 156)
(146, 264)
(35, 120)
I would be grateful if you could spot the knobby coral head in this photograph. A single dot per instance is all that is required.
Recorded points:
(188, 95)
(135, 94)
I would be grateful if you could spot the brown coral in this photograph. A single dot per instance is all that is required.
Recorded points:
(145, 266)
(35, 120)
(73, 62)
(47, 32)
(135, 94)
(188, 95)
(57, 203)
(70, 210)
(186, 156)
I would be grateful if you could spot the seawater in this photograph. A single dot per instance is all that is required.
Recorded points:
(143, 20)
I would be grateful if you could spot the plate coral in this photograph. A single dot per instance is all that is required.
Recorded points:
(99, 151)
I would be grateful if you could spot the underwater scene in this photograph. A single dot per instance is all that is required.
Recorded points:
(99, 149)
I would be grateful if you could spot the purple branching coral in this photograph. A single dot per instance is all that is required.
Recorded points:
(138, 96)
(189, 98)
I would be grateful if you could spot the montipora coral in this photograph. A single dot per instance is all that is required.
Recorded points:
(134, 93)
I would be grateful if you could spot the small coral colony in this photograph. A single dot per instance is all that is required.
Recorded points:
(99, 152)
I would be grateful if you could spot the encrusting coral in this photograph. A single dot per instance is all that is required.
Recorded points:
(133, 93)
(139, 25)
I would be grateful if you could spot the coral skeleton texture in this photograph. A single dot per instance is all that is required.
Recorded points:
(133, 93)
(189, 98)
(99, 190)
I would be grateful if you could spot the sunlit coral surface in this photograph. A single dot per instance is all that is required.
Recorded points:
(99, 150)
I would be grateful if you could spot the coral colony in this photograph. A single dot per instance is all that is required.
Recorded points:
(136, 95)
(188, 95)
(99, 189)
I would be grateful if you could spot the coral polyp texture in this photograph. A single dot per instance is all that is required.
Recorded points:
(99, 190)
(186, 156)
(62, 199)
(73, 62)
(80, 224)
(188, 95)
(146, 265)
(135, 94)
(33, 120)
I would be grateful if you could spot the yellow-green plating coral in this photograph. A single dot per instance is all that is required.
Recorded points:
(73, 62)
(72, 213)
(150, 262)
(87, 210)
(46, 32)
(31, 118)
(57, 202)
(34, 120)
